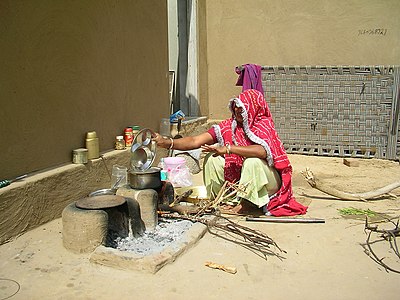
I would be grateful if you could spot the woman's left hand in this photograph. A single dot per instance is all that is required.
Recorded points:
(217, 150)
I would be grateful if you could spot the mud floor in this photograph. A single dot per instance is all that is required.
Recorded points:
(322, 261)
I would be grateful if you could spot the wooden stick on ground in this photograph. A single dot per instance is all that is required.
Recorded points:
(325, 188)
(228, 269)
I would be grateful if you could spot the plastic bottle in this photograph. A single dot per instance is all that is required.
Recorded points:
(92, 145)
(163, 172)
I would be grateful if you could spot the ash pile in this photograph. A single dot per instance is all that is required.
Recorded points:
(166, 233)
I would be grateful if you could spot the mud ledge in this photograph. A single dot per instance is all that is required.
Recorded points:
(42, 196)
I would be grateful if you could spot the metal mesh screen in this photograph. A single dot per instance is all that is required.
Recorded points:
(335, 111)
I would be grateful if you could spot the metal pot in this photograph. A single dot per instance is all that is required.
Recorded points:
(102, 192)
(148, 179)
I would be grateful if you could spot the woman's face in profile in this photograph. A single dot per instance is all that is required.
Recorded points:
(237, 113)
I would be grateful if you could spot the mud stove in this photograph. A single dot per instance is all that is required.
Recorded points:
(123, 231)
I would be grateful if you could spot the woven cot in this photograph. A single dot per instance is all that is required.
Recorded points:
(344, 111)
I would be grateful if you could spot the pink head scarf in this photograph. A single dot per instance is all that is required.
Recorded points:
(258, 128)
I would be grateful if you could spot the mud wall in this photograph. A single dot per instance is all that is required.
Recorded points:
(69, 67)
(290, 32)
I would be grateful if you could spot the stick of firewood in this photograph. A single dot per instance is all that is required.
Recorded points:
(180, 198)
(212, 265)
(181, 209)
(323, 187)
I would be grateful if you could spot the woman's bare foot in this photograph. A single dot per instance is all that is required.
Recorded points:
(243, 208)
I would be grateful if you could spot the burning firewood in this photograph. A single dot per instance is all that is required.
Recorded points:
(325, 188)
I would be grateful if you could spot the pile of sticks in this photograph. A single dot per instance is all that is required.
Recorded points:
(251, 239)
(227, 191)
(389, 235)
(208, 214)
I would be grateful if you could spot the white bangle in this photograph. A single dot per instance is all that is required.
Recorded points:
(172, 143)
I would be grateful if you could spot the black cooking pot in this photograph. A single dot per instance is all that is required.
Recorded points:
(148, 179)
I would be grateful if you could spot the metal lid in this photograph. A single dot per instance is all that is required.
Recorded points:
(91, 135)
(143, 150)
(135, 127)
(80, 150)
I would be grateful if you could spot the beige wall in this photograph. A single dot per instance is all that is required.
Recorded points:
(68, 67)
(202, 58)
(291, 32)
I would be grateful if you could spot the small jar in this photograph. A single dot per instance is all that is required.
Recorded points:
(119, 142)
(128, 136)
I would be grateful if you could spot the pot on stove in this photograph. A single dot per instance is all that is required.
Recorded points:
(146, 179)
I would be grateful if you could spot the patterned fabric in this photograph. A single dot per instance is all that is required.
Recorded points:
(258, 128)
(249, 77)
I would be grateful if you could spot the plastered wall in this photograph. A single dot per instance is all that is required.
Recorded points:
(69, 67)
(291, 32)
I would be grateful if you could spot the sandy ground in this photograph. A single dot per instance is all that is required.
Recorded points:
(323, 261)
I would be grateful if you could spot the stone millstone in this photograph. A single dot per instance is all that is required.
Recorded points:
(100, 202)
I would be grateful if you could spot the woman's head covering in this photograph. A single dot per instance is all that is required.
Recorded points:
(258, 128)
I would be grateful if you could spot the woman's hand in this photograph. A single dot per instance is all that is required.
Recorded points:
(216, 149)
(162, 141)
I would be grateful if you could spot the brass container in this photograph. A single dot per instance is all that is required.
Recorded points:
(92, 144)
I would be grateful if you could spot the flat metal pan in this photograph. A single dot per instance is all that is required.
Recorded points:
(100, 202)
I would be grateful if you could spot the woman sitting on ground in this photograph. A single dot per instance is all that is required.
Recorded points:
(246, 149)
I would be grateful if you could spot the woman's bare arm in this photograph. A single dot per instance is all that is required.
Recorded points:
(246, 151)
(204, 141)
(185, 143)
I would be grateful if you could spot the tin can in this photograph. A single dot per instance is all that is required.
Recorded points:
(80, 156)
(128, 136)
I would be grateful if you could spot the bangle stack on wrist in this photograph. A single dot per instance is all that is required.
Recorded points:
(228, 148)
(172, 144)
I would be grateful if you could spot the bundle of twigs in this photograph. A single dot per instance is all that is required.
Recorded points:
(208, 214)
(227, 191)
(251, 239)
(389, 235)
